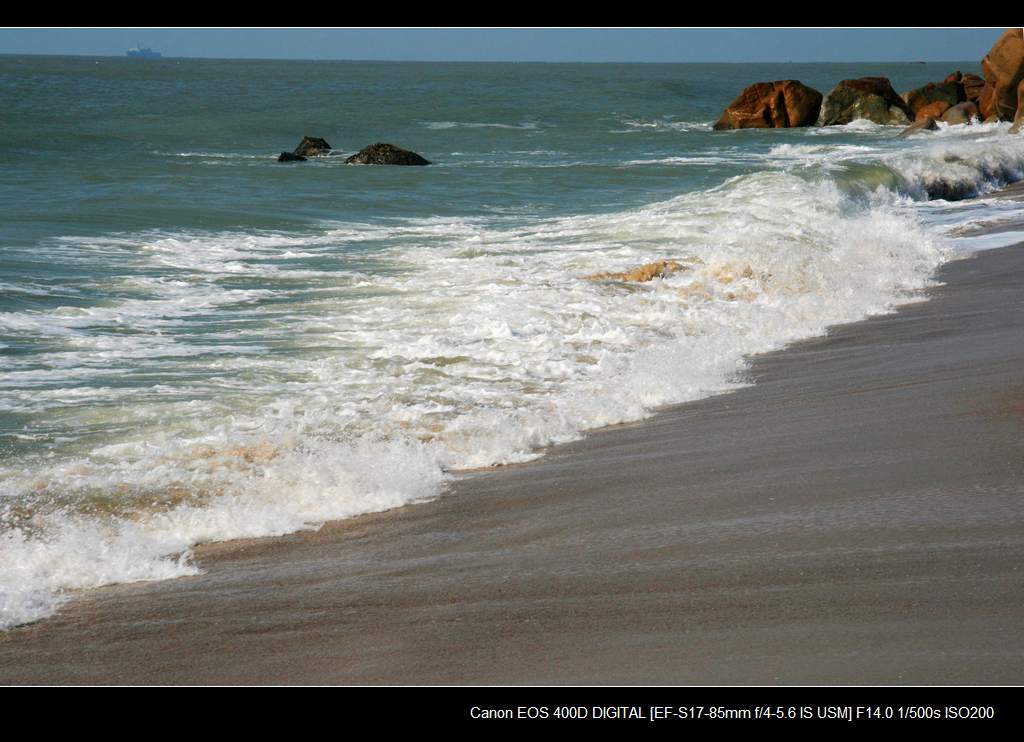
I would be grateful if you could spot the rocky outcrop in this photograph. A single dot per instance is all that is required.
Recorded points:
(647, 272)
(1003, 68)
(947, 92)
(961, 113)
(932, 110)
(312, 147)
(290, 157)
(385, 154)
(870, 98)
(772, 105)
(1018, 120)
(925, 124)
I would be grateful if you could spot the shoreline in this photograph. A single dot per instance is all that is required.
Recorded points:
(852, 517)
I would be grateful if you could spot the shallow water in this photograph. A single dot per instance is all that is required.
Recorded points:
(199, 343)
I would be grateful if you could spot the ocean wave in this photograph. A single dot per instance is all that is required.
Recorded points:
(524, 126)
(661, 125)
(474, 342)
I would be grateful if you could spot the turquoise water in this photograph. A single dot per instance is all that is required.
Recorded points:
(200, 343)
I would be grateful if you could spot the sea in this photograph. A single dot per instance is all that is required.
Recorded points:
(199, 343)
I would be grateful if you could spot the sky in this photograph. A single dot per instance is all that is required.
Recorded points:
(518, 44)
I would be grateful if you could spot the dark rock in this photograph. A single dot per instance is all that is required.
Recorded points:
(949, 93)
(1003, 67)
(312, 147)
(290, 157)
(954, 77)
(961, 113)
(772, 105)
(385, 154)
(870, 98)
(925, 124)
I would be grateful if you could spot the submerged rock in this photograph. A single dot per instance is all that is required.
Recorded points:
(646, 272)
(386, 154)
(290, 157)
(312, 147)
(925, 124)
(961, 113)
(1003, 68)
(870, 98)
(772, 105)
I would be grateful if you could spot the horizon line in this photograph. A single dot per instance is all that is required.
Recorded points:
(164, 57)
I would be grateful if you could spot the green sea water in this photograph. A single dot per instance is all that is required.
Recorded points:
(200, 343)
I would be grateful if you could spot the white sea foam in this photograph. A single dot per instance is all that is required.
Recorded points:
(468, 342)
(662, 125)
(525, 125)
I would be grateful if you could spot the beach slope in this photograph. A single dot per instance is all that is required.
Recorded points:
(854, 517)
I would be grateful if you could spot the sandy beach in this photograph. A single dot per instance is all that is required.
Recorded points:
(854, 517)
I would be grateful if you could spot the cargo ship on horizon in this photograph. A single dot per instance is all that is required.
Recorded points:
(142, 52)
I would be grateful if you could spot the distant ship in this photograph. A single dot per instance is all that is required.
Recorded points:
(143, 53)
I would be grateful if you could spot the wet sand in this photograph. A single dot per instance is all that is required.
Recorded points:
(855, 517)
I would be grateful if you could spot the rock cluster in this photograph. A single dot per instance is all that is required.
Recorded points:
(958, 99)
(375, 154)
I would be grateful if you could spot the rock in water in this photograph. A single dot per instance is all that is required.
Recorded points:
(949, 93)
(290, 157)
(870, 98)
(962, 113)
(385, 154)
(925, 124)
(772, 105)
(312, 147)
(932, 110)
(1003, 68)
(646, 272)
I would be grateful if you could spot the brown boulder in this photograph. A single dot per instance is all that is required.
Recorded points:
(973, 87)
(949, 93)
(932, 110)
(954, 77)
(1018, 120)
(870, 98)
(962, 113)
(1003, 67)
(772, 105)
(925, 124)
(987, 102)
